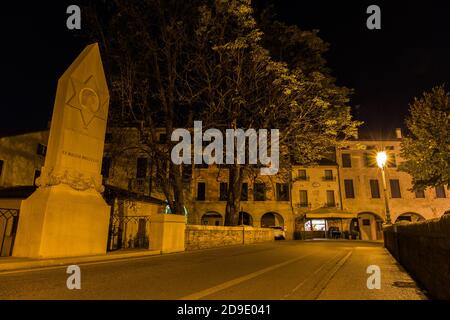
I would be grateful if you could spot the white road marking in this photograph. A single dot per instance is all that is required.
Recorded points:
(309, 278)
(316, 292)
(228, 284)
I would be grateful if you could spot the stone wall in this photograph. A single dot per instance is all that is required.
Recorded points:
(423, 249)
(202, 237)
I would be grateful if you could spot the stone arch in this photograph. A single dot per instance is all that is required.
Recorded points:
(272, 219)
(212, 218)
(375, 215)
(245, 218)
(370, 226)
(410, 217)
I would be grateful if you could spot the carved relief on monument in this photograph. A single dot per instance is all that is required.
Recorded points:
(74, 179)
(87, 99)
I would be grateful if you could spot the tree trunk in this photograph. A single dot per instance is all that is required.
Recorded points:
(234, 195)
(178, 203)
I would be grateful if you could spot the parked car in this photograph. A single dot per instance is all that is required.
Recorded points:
(279, 232)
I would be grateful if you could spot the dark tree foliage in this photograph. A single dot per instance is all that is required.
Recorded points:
(172, 62)
(426, 149)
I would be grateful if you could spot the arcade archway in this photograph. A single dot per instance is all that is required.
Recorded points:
(272, 219)
(370, 226)
(410, 217)
(245, 219)
(212, 218)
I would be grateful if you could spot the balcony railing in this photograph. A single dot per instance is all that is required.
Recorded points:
(331, 205)
(333, 178)
(303, 178)
(301, 205)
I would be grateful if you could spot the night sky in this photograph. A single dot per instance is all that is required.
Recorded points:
(387, 67)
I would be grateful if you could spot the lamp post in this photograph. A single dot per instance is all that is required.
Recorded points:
(381, 161)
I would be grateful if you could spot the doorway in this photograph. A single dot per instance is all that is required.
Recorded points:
(316, 228)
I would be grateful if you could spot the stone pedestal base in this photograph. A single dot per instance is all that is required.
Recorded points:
(59, 221)
(167, 232)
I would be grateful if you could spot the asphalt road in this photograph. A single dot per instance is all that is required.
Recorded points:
(280, 270)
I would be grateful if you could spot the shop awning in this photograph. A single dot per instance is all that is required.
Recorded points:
(330, 213)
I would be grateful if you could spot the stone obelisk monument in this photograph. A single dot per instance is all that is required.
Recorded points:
(66, 215)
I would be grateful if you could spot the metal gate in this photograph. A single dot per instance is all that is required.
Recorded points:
(9, 219)
(128, 232)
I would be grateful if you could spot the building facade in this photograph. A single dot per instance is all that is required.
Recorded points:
(338, 197)
(21, 158)
(341, 197)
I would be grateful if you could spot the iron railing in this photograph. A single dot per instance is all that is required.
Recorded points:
(126, 232)
(9, 219)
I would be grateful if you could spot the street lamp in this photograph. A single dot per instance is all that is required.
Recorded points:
(381, 161)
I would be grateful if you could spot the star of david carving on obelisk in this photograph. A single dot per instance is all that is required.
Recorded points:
(87, 98)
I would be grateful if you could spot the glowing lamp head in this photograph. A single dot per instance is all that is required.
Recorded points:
(381, 159)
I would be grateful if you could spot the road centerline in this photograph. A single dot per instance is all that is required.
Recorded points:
(302, 283)
(320, 286)
(225, 285)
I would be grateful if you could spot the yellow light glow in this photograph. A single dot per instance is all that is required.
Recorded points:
(381, 159)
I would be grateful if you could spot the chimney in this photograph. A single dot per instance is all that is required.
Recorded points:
(398, 133)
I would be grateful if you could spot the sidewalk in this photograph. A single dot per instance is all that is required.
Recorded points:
(350, 281)
(14, 263)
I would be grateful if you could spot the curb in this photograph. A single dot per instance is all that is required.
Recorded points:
(35, 264)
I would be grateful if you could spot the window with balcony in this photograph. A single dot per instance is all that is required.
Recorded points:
(304, 199)
(223, 194)
(330, 199)
(395, 188)
(201, 191)
(349, 190)
(282, 192)
(302, 175)
(440, 192)
(375, 189)
(346, 160)
(259, 192)
(328, 175)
